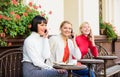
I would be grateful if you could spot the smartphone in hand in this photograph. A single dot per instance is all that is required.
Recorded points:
(45, 31)
(90, 35)
(72, 36)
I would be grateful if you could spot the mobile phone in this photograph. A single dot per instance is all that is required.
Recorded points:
(72, 36)
(90, 35)
(45, 31)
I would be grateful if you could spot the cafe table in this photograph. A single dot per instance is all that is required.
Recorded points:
(69, 68)
(90, 62)
(106, 58)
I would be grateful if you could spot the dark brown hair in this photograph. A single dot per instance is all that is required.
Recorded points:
(37, 20)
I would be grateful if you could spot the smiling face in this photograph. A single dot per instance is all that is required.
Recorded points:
(85, 28)
(41, 28)
(66, 28)
(39, 24)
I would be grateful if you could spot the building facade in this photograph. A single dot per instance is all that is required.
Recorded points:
(78, 11)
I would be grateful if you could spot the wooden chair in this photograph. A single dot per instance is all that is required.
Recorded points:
(102, 52)
(111, 70)
(10, 63)
(96, 67)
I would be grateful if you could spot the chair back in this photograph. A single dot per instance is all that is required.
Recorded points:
(10, 63)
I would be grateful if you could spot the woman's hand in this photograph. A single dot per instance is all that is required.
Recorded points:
(61, 70)
(74, 42)
(45, 33)
(92, 39)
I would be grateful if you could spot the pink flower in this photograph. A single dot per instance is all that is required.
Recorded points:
(10, 44)
(14, 2)
(50, 12)
(2, 35)
(1, 16)
(25, 14)
(35, 7)
(12, 12)
(30, 4)
(29, 26)
(6, 18)
(17, 16)
(40, 6)
(42, 14)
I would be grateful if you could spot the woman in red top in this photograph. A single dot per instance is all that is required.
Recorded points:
(86, 41)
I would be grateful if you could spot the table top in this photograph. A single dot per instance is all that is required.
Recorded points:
(70, 67)
(91, 61)
(107, 57)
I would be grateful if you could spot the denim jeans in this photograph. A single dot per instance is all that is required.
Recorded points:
(84, 73)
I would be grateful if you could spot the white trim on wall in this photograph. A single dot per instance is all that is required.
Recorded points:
(111, 13)
(90, 12)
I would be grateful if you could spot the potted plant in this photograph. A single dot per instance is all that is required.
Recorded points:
(102, 26)
(109, 30)
(15, 19)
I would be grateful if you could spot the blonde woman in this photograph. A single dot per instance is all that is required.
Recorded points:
(62, 48)
(86, 41)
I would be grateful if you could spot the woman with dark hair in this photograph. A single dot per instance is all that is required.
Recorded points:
(36, 50)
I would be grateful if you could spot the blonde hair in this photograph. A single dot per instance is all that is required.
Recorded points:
(83, 25)
(64, 23)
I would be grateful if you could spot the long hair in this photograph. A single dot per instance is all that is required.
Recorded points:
(83, 25)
